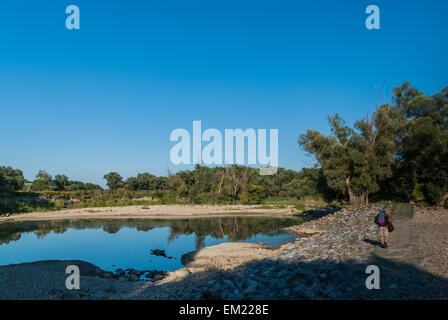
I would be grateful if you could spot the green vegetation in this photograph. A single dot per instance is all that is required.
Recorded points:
(398, 154)
(300, 207)
(278, 206)
(401, 153)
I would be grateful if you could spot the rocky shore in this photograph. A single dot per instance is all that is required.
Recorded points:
(328, 262)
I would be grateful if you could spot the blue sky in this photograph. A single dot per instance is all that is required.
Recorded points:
(106, 97)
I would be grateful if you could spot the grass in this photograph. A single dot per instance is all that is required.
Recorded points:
(278, 206)
(300, 207)
(15, 205)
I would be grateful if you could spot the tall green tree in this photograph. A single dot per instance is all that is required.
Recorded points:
(11, 179)
(61, 182)
(113, 180)
(423, 140)
(355, 160)
(42, 182)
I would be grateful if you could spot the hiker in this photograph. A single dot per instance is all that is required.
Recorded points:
(383, 221)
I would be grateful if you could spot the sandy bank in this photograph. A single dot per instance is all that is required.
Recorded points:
(225, 256)
(154, 211)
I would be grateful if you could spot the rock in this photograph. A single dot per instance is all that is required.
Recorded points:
(211, 295)
(70, 295)
(229, 283)
(285, 292)
(249, 291)
(181, 273)
(251, 284)
(133, 277)
(99, 295)
(138, 273)
(157, 277)
(158, 252)
(236, 295)
(111, 290)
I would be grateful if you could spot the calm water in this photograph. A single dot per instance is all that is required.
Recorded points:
(113, 244)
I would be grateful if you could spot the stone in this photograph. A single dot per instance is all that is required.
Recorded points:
(111, 290)
(70, 295)
(157, 277)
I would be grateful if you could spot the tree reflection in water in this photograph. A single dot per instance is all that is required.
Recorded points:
(234, 228)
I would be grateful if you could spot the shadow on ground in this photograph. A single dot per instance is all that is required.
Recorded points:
(315, 280)
(265, 279)
(374, 243)
(314, 214)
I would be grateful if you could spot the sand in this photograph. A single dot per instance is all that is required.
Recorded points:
(153, 211)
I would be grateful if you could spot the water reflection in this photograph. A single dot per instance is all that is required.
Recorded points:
(235, 228)
(126, 243)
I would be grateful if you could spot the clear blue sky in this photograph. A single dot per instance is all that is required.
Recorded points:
(106, 97)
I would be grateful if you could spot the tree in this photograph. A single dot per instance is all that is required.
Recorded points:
(147, 181)
(423, 144)
(113, 180)
(61, 182)
(42, 182)
(11, 179)
(255, 193)
(309, 182)
(3, 185)
(355, 160)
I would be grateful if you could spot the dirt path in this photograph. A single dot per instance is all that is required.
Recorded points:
(421, 239)
(417, 253)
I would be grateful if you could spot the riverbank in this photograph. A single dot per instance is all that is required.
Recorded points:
(328, 262)
(172, 211)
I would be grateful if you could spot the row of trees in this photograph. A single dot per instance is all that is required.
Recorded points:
(231, 183)
(13, 180)
(401, 152)
(201, 185)
(60, 182)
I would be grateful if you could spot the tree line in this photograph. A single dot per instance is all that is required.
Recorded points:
(202, 185)
(13, 180)
(228, 184)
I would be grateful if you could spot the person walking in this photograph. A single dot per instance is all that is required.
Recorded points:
(384, 223)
